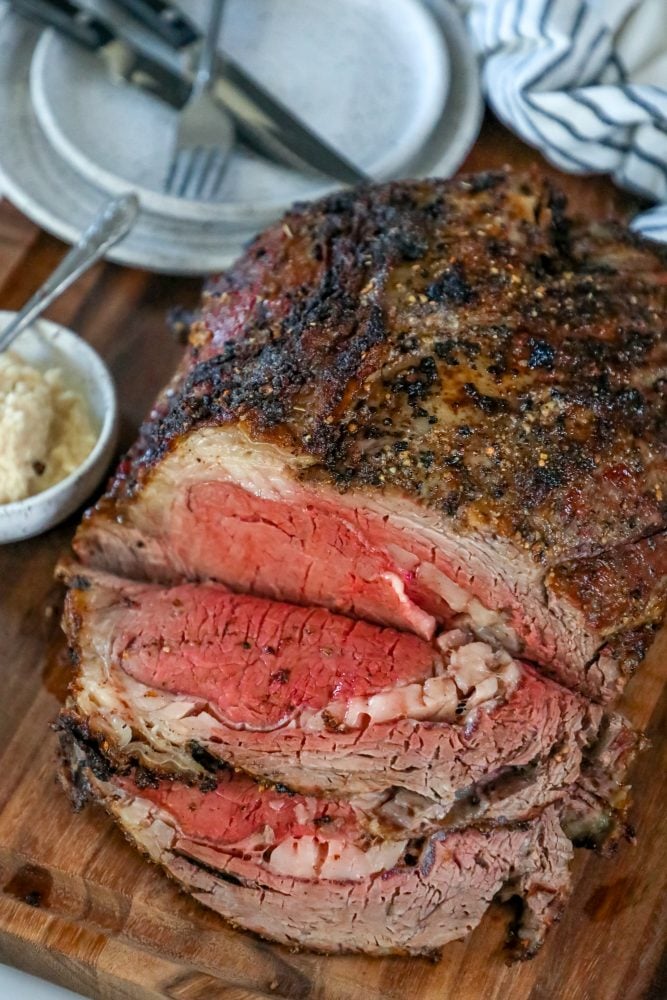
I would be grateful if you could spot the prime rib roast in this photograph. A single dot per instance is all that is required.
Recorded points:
(348, 623)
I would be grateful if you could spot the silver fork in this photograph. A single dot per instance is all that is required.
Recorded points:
(205, 134)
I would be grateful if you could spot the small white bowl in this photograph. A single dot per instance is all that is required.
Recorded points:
(48, 345)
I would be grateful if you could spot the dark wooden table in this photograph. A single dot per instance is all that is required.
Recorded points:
(77, 904)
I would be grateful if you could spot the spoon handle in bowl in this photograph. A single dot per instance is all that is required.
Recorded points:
(112, 222)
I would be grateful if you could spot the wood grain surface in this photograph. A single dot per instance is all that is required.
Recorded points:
(80, 907)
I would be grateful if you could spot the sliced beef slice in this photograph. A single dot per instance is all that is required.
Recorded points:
(423, 404)
(184, 678)
(302, 872)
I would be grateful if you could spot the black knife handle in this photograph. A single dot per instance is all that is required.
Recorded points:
(67, 18)
(164, 19)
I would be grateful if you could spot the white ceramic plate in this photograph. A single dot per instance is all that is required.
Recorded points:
(55, 195)
(48, 345)
(370, 77)
(461, 117)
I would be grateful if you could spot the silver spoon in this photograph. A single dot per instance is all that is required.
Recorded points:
(113, 221)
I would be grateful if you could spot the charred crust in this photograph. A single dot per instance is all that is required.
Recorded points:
(630, 648)
(630, 616)
(75, 727)
(486, 180)
(542, 354)
(342, 318)
(75, 733)
(143, 778)
(466, 343)
(104, 760)
(487, 404)
(205, 759)
(451, 287)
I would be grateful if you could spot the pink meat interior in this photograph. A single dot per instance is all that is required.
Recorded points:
(239, 809)
(306, 550)
(259, 662)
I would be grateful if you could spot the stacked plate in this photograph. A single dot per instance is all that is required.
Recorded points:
(393, 86)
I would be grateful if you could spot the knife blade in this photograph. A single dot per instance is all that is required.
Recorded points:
(262, 121)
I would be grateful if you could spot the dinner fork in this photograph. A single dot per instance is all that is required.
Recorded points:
(205, 133)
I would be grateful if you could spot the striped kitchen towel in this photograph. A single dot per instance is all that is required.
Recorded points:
(586, 82)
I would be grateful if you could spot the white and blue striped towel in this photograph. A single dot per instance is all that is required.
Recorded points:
(586, 82)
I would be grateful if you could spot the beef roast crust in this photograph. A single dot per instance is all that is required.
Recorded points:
(468, 345)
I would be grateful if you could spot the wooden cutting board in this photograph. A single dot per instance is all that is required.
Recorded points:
(80, 907)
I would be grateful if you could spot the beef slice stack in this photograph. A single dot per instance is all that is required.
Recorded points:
(350, 621)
